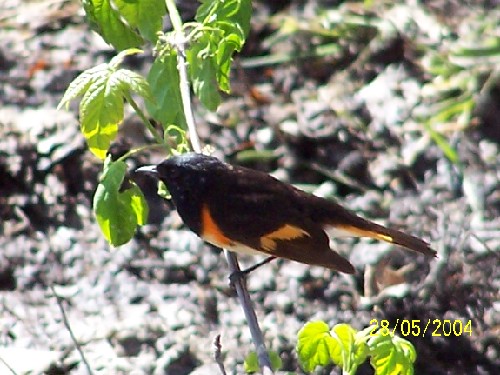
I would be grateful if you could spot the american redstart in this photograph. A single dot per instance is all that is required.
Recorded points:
(251, 212)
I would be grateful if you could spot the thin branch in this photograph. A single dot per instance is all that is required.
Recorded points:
(180, 44)
(68, 327)
(218, 354)
(146, 121)
(174, 15)
(246, 303)
(8, 366)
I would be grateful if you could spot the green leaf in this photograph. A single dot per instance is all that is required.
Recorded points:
(118, 210)
(162, 190)
(110, 24)
(179, 137)
(82, 83)
(406, 348)
(163, 80)
(276, 362)
(101, 110)
(128, 80)
(117, 60)
(203, 73)
(103, 89)
(391, 355)
(231, 20)
(315, 345)
(351, 350)
(251, 363)
(234, 11)
(443, 144)
(231, 42)
(489, 48)
(346, 336)
(144, 15)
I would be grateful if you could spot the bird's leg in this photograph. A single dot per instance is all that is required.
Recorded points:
(242, 273)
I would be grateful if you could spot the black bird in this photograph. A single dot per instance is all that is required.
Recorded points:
(248, 211)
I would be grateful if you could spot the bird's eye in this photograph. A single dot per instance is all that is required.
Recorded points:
(174, 172)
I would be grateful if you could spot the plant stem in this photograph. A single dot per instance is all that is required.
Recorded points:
(174, 15)
(68, 327)
(146, 121)
(185, 94)
(253, 323)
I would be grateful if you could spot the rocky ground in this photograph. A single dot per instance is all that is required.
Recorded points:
(342, 125)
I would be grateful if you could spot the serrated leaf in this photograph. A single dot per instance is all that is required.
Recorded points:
(81, 83)
(391, 355)
(352, 349)
(110, 24)
(345, 336)
(101, 110)
(233, 11)
(144, 15)
(230, 43)
(118, 212)
(163, 80)
(204, 10)
(117, 60)
(232, 18)
(407, 348)
(129, 80)
(203, 73)
(243, 16)
(315, 345)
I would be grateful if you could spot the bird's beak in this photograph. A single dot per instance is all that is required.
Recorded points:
(149, 169)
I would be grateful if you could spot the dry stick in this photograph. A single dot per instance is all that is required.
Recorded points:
(246, 303)
(8, 366)
(68, 327)
(218, 355)
(179, 42)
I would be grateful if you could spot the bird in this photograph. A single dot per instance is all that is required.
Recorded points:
(251, 212)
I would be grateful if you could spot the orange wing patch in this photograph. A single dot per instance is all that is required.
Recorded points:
(286, 232)
(211, 232)
(364, 233)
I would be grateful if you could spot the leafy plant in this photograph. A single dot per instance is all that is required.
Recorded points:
(206, 46)
(345, 347)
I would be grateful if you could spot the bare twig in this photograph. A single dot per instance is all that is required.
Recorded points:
(8, 366)
(68, 327)
(218, 354)
(246, 303)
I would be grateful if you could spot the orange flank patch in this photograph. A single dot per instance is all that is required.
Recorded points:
(286, 232)
(355, 231)
(211, 231)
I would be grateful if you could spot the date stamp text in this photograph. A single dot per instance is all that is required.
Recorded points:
(417, 327)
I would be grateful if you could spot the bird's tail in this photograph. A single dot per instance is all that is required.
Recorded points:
(346, 221)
